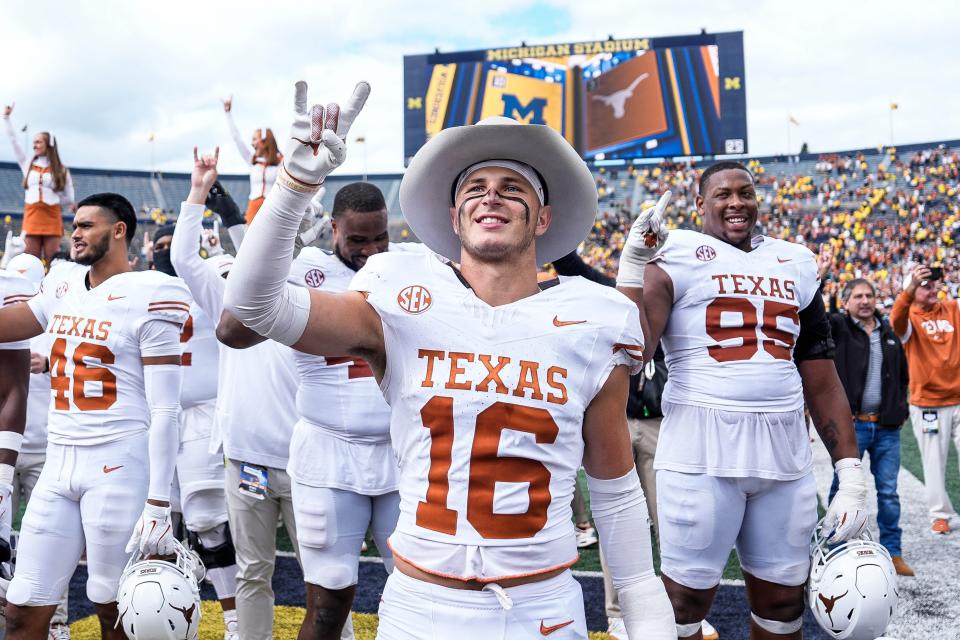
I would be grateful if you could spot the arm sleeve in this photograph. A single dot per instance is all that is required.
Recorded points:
(245, 151)
(162, 386)
(900, 316)
(257, 293)
(573, 265)
(18, 153)
(204, 284)
(620, 513)
(816, 340)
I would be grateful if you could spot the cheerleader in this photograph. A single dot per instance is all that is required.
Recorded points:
(47, 186)
(263, 158)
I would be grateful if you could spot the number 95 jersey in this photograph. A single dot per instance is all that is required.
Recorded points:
(98, 338)
(735, 320)
(487, 411)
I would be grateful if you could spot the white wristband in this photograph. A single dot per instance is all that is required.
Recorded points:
(11, 440)
(847, 463)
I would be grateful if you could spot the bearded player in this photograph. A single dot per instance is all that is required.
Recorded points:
(746, 339)
(113, 429)
(498, 387)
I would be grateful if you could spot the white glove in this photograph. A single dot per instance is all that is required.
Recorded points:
(210, 240)
(646, 236)
(316, 224)
(12, 247)
(318, 137)
(648, 613)
(153, 535)
(847, 514)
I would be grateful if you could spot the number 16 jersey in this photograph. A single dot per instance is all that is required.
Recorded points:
(487, 409)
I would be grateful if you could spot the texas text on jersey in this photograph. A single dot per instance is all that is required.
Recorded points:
(95, 361)
(487, 412)
(735, 321)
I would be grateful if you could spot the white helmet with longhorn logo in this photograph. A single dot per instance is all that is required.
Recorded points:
(852, 590)
(160, 600)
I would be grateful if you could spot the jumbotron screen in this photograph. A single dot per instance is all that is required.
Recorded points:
(632, 98)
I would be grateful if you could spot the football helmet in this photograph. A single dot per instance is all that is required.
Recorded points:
(852, 590)
(160, 599)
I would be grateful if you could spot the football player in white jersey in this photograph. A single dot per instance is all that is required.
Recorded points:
(746, 339)
(498, 388)
(199, 480)
(113, 428)
(343, 470)
(254, 435)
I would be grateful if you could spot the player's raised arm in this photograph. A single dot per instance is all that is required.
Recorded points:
(257, 293)
(647, 234)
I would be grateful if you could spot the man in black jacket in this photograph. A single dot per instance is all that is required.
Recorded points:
(873, 369)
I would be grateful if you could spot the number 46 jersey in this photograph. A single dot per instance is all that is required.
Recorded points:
(97, 339)
(735, 320)
(487, 411)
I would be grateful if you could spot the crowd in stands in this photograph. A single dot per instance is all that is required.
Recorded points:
(882, 214)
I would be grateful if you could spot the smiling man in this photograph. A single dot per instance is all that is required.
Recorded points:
(498, 386)
(746, 339)
(114, 419)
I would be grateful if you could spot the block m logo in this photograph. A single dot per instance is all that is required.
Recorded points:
(731, 84)
(530, 113)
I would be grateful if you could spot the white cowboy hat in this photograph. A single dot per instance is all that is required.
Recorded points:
(427, 186)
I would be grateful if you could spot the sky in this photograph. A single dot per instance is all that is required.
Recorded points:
(104, 76)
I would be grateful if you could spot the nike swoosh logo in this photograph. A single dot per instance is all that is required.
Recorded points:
(111, 297)
(107, 469)
(782, 260)
(545, 630)
(557, 322)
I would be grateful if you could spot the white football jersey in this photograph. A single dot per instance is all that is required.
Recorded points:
(487, 411)
(339, 394)
(14, 289)
(200, 358)
(735, 320)
(95, 361)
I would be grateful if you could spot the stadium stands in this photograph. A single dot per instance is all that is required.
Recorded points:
(882, 209)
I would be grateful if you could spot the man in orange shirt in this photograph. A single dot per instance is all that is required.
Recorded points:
(928, 328)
